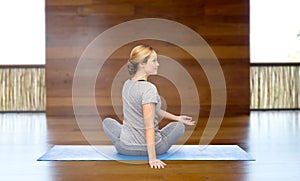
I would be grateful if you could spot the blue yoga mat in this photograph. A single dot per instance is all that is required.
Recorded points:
(176, 152)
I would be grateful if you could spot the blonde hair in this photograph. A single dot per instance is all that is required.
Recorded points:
(139, 54)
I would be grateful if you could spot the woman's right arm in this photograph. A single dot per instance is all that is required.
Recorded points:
(149, 116)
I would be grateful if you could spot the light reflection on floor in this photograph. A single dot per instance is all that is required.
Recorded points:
(23, 140)
(274, 140)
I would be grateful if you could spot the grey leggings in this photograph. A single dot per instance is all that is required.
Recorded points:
(170, 134)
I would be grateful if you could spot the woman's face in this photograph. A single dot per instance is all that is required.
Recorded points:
(151, 67)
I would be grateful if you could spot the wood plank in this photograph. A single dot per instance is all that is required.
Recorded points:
(65, 39)
(68, 2)
(228, 9)
(107, 9)
(222, 52)
(207, 29)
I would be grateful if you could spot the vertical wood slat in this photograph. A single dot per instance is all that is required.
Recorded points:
(274, 87)
(22, 89)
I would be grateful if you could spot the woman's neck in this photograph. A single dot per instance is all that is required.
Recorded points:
(139, 76)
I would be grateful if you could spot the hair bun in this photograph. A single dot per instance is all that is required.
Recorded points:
(132, 68)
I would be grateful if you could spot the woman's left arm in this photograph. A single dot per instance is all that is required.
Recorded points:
(185, 119)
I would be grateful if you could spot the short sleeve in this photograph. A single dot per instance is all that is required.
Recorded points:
(150, 94)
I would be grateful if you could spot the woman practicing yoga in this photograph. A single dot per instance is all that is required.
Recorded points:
(139, 134)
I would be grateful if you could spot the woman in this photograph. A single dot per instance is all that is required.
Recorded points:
(139, 134)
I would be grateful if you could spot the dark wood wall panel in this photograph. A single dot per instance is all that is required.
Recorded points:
(72, 24)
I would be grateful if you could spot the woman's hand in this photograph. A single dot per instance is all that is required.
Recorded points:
(157, 164)
(186, 120)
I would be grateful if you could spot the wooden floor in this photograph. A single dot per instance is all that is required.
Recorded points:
(273, 138)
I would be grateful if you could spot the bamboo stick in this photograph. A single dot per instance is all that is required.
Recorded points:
(22, 89)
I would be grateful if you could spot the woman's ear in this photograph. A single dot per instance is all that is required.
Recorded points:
(141, 65)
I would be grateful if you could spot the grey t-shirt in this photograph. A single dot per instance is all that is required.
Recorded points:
(134, 94)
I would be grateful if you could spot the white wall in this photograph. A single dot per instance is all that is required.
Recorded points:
(274, 25)
(22, 32)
